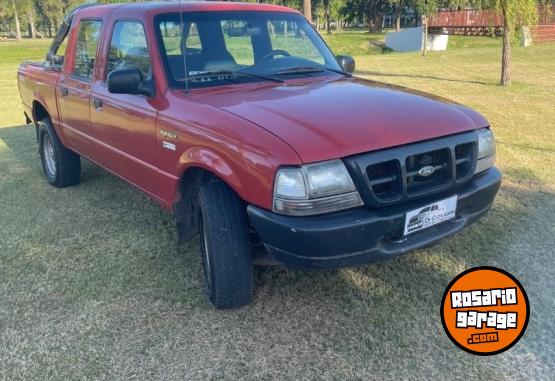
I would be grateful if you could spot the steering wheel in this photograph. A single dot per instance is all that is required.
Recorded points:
(273, 53)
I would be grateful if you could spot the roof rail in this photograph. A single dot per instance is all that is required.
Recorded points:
(69, 15)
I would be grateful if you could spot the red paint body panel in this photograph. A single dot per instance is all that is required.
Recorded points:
(37, 85)
(338, 117)
(243, 154)
(241, 133)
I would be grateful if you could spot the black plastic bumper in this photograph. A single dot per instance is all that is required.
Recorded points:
(362, 235)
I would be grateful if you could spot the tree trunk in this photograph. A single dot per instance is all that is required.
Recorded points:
(32, 30)
(506, 55)
(375, 21)
(49, 30)
(16, 17)
(425, 35)
(398, 17)
(307, 10)
(327, 16)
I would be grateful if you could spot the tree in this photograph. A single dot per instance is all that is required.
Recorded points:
(307, 10)
(426, 8)
(545, 7)
(12, 11)
(516, 13)
(327, 15)
(371, 11)
(398, 6)
(26, 7)
(31, 20)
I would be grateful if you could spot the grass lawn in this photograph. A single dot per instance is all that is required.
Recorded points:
(93, 284)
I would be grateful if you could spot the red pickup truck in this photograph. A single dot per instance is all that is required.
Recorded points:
(240, 119)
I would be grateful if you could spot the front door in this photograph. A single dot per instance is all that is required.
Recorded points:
(126, 122)
(74, 90)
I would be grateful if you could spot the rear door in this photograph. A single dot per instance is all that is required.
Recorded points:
(127, 123)
(74, 89)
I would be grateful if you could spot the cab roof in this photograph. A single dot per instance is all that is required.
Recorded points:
(152, 8)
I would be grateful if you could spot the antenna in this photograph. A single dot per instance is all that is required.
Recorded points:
(182, 46)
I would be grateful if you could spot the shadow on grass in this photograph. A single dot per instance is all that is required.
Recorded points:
(380, 74)
(526, 147)
(117, 196)
(104, 243)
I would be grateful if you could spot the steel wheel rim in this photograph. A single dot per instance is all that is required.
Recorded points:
(48, 153)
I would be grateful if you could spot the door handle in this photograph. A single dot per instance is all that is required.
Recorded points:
(97, 103)
(64, 91)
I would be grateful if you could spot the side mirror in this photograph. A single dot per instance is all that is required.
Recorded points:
(129, 81)
(57, 60)
(347, 63)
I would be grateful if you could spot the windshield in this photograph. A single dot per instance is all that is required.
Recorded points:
(231, 47)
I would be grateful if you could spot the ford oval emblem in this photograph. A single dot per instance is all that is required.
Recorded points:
(426, 171)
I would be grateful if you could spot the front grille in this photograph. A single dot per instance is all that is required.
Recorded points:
(384, 179)
(465, 159)
(399, 174)
(439, 160)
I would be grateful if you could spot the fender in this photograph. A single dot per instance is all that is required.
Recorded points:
(213, 162)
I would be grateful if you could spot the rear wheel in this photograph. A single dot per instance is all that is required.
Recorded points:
(62, 167)
(225, 246)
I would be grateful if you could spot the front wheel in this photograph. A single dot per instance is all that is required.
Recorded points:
(225, 246)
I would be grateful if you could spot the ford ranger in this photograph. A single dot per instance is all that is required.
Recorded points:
(239, 119)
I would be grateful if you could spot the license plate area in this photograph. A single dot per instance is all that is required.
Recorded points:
(430, 215)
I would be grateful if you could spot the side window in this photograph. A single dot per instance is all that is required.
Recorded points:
(128, 48)
(237, 34)
(88, 34)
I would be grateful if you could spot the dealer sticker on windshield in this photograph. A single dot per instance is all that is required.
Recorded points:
(430, 215)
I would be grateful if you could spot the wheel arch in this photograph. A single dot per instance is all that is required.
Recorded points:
(39, 112)
(185, 206)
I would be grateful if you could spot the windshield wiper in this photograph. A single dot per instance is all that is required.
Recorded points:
(301, 70)
(308, 69)
(232, 73)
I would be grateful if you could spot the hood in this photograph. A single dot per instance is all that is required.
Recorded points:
(336, 118)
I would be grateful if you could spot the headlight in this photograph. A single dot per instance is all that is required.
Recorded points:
(314, 189)
(486, 150)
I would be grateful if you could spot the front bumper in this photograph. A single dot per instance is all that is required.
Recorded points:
(362, 235)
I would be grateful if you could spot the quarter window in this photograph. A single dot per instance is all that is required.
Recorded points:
(88, 35)
(129, 49)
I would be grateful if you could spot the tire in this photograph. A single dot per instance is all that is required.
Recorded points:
(61, 166)
(225, 246)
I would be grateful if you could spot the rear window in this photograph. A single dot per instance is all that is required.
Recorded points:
(88, 34)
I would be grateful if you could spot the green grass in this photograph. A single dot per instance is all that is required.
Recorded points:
(354, 43)
(93, 284)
